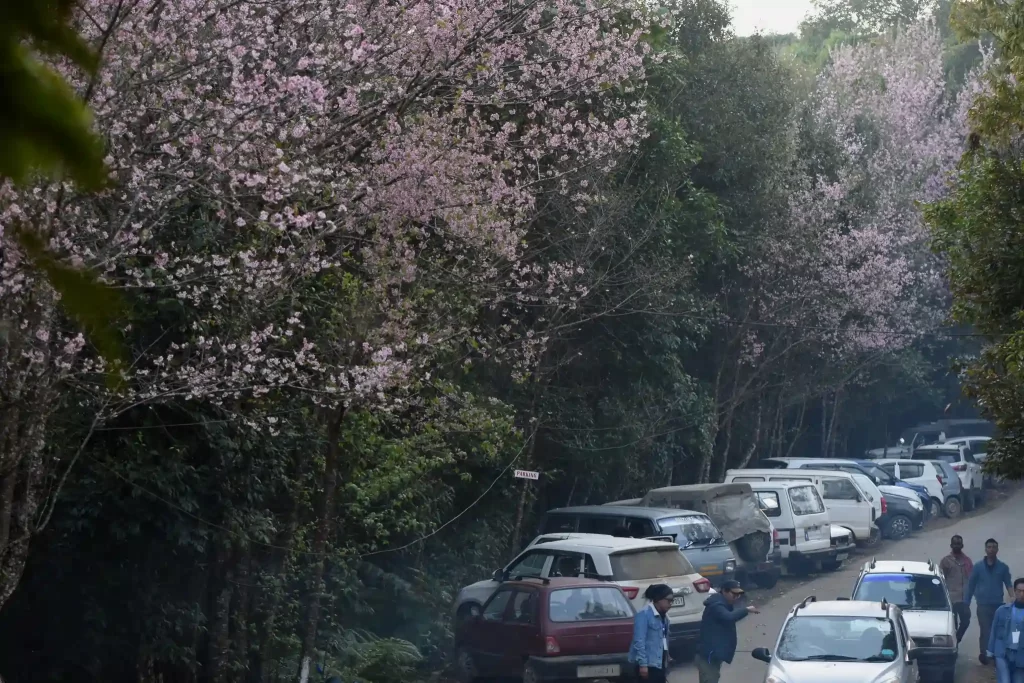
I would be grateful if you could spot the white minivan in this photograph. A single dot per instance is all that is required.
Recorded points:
(799, 515)
(848, 504)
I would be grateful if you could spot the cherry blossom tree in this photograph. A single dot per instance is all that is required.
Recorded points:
(286, 178)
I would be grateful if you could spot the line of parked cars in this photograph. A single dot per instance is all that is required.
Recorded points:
(560, 608)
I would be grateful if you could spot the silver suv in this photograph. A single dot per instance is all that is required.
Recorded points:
(842, 640)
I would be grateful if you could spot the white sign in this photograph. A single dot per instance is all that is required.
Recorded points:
(527, 474)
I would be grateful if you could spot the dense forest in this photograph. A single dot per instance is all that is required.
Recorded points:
(370, 258)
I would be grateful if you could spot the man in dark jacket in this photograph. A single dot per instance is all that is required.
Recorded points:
(988, 579)
(718, 630)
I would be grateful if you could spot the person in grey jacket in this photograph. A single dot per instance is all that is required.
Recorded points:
(990, 584)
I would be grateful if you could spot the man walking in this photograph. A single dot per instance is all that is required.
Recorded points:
(988, 579)
(956, 569)
(718, 630)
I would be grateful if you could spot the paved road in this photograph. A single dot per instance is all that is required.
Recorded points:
(1004, 523)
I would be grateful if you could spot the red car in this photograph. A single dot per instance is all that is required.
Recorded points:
(548, 630)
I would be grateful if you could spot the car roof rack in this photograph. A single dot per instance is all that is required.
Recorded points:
(542, 579)
(872, 564)
(931, 565)
(599, 577)
(803, 603)
(885, 605)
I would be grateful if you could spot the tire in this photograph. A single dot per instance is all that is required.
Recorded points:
(465, 668)
(968, 500)
(765, 580)
(754, 547)
(899, 527)
(934, 507)
(952, 508)
(831, 566)
(871, 541)
(530, 674)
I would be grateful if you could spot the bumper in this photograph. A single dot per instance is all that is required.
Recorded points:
(800, 559)
(684, 632)
(567, 668)
(935, 658)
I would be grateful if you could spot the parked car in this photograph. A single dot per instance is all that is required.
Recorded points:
(842, 640)
(736, 512)
(548, 630)
(919, 590)
(631, 563)
(972, 478)
(951, 485)
(929, 475)
(883, 478)
(978, 446)
(932, 433)
(697, 536)
(848, 505)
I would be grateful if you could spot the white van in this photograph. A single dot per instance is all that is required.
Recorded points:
(799, 515)
(849, 505)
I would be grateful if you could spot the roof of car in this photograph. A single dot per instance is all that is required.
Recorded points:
(628, 510)
(939, 447)
(569, 541)
(556, 582)
(841, 608)
(889, 460)
(900, 567)
(782, 483)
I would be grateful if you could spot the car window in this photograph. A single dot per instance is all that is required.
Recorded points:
(805, 500)
(968, 457)
(649, 564)
(909, 591)
(559, 523)
(529, 565)
(588, 604)
(839, 489)
(911, 470)
(591, 524)
(524, 607)
(889, 468)
(640, 528)
(589, 569)
(690, 530)
(769, 502)
(980, 447)
(566, 564)
(838, 639)
(494, 610)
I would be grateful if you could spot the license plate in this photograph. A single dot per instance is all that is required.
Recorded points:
(678, 601)
(842, 556)
(597, 671)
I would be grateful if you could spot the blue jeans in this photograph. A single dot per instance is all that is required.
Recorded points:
(1007, 672)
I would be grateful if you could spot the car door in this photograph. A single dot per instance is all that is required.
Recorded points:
(845, 505)
(972, 466)
(908, 673)
(566, 564)
(486, 639)
(521, 630)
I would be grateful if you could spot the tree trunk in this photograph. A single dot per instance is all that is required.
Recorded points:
(799, 427)
(324, 508)
(757, 437)
(219, 643)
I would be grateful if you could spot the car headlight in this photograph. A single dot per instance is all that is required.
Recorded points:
(942, 641)
(730, 565)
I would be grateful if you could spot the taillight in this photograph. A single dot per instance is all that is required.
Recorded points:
(959, 467)
(940, 480)
(885, 506)
(775, 536)
(702, 585)
(551, 646)
(631, 592)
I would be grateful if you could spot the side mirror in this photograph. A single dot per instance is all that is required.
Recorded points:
(860, 498)
(761, 654)
(498, 575)
(912, 654)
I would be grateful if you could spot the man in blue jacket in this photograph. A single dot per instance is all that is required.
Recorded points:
(989, 579)
(718, 630)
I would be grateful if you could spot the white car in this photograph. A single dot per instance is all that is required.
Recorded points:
(919, 590)
(978, 446)
(963, 463)
(842, 640)
(632, 563)
(921, 473)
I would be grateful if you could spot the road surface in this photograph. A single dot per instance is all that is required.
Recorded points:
(1005, 523)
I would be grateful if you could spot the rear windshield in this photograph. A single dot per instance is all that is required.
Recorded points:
(806, 501)
(649, 564)
(690, 530)
(588, 604)
(944, 456)
(909, 591)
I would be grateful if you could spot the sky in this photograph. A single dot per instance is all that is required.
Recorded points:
(768, 16)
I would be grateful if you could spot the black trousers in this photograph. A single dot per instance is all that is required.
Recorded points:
(963, 619)
(653, 675)
(985, 615)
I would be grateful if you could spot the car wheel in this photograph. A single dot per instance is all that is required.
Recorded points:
(935, 507)
(900, 527)
(831, 566)
(952, 508)
(765, 580)
(530, 674)
(465, 667)
(872, 540)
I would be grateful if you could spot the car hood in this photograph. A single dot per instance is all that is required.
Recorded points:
(487, 585)
(833, 672)
(899, 492)
(925, 624)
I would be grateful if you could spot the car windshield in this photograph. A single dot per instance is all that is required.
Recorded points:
(588, 604)
(935, 454)
(881, 477)
(649, 564)
(909, 591)
(838, 639)
(691, 530)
